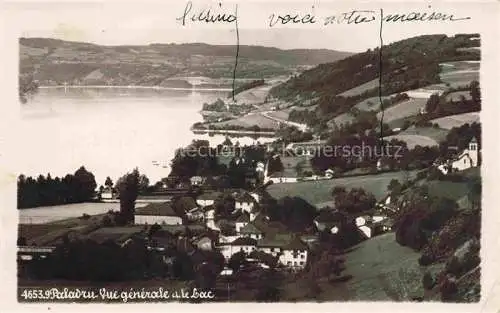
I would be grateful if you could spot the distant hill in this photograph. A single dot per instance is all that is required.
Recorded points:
(54, 62)
(333, 89)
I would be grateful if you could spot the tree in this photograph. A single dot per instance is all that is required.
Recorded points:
(394, 187)
(128, 187)
(143, 183)
(85, 185)
(108, 183)
(357, 200)
(432, 103)
(428, 281)
(236, 261)
(475, 92)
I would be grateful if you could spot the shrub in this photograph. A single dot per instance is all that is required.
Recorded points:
(448, 290)
(454, 266)
(428, 281)
(106, 221)
(425, 260)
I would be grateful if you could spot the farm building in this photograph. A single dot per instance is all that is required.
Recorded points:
(159, 213)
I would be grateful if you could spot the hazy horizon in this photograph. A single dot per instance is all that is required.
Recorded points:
(152, 22)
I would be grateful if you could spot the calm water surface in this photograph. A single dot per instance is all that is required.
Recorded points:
(109, 131)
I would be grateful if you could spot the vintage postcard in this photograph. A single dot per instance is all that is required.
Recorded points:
(250, 152)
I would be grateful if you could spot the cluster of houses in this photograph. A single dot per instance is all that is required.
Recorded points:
(245, 230)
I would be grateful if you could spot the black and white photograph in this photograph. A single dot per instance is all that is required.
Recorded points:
(215, 152)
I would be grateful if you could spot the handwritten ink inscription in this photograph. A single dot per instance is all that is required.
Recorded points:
(291, 18)
(354, 17)
(207, 15)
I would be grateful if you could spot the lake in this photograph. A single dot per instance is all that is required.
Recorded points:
(110, 130)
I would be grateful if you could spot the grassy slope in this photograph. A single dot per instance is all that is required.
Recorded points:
(317, 192)
(381, 270)
(448, 122)
(414, 140)
(437, 134)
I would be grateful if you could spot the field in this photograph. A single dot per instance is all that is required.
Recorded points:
(437, 134)
(403, 109)
(455, 96)
(448, 122)
(414, 140)
(253, 96)
(283, 114)
(250, 120)
(319, 192)
(459, 73)
(341, 119)
(370, 104)
(448, 189)
(361, 88)
(381, 269)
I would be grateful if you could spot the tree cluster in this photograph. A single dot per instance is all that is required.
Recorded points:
(79, 187)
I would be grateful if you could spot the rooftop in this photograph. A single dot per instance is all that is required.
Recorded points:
(209, 196)
(244, 241)
(250, 229)
(244, 197)
(283, 241)
(158, 209)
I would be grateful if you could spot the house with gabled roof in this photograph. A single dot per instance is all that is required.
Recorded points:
(465, 160)
(242, 244)
(244, 202)
(251, 231)
(242, 220)
(207, 198)
(289, 249)
(159, 213)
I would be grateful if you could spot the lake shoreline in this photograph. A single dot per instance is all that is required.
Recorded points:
(132, 87)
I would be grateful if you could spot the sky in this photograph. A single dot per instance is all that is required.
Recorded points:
(128, 23)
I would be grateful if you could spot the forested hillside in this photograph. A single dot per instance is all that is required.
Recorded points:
(54, 62)
(406, 64)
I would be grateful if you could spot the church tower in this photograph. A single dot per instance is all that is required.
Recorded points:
(473, 151)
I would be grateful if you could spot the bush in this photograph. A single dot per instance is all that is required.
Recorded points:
(106, 221)
(428, 281)
(425, 260)
(448, 290)
(454, 266)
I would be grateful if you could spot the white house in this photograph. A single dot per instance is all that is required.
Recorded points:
(241, 222)
(278, 178)
(244, 202)
(107, 193)
(209, 215)
(251, 231)
(242, 244)
(197, 180)
(207, 199)
(290, 250)
(159, 213)
(329, 173)
(467, 159)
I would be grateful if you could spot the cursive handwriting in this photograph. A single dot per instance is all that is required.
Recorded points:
(355, 16)
(422, 17)
(205, 15)
(291, 18)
